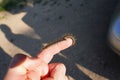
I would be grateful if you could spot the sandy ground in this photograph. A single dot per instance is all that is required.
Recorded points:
(27, 30)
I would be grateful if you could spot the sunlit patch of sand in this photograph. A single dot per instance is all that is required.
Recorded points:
(17, 25)
(92, 75)
(70, 78)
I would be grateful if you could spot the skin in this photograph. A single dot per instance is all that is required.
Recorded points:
(24, 67)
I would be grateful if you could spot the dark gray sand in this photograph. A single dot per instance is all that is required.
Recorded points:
(87, 20)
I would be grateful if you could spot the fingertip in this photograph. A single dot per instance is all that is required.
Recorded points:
(61, 67)
(65, 43)
(70, 37)
(69, 41)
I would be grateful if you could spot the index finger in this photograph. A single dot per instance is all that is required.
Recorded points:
(48, 53)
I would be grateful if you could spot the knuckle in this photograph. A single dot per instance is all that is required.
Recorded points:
(61, 66)
(18, 60)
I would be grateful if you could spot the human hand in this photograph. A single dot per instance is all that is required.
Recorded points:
(23, 67)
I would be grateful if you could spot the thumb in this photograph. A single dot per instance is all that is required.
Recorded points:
(17, 64)
(16, 69)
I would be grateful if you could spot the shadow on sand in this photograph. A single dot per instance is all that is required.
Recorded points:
(89, 59)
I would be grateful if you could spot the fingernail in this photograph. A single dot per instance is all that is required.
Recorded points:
(70, 38)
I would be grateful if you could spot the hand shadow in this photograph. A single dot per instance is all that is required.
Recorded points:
(18, 43)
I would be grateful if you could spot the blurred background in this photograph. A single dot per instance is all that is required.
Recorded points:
(27, 25)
